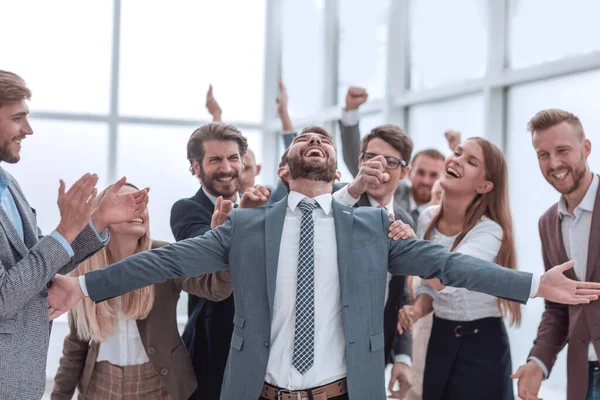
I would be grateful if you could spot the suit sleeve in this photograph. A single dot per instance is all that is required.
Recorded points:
(185, 259)
(554, 327)
(71, 364)
(350, 146)
(85, 245)
(189, 219)
(216, 286)
(428, 260)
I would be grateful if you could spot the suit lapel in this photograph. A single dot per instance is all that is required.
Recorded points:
(274, 218)
(594, 243)
(29, 228)
(343, 217)
(201, 198)
(11, 232)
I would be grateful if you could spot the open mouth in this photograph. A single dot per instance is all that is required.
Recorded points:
(560, 175)
(225, 179)
(314, 152)
(452, 172)
(137, 221)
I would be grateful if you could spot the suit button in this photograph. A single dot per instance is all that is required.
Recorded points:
(44, 294)
(151, 351)
(267, 344)
(164, 371)
(49, 285)
(584, 341)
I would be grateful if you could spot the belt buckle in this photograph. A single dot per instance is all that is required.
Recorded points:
(457, 331)
(281, 392)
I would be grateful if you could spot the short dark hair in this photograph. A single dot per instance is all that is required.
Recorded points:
(213, 131)
(392, 134)
(431, 153)
(12, 88)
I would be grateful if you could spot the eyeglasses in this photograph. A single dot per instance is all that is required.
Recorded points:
(392, 162)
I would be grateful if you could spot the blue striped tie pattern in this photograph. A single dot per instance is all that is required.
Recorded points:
(304, 333)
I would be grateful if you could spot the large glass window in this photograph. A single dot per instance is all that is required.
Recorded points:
(59, 150)
(542, 31)
(448, 41)
(304, 55)
(62, 49)
(531, 195)
(429, 122)
(166, 68)
(363, 47)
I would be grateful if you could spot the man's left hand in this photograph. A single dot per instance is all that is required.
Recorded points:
(117, 207)
(400, 230)
(400, 373)
(63, 295)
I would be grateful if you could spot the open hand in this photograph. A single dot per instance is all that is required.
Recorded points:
(453, 138)
(282, 100)
(530, 378)
(116, 207)
(212, 106)
(76, 205)
(556, 287)
(221, 213)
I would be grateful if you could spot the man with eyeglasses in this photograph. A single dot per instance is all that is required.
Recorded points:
(374, 188)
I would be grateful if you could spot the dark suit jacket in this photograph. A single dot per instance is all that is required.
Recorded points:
(208, 331)
(398, 296)
(159, 335)
(575, 324)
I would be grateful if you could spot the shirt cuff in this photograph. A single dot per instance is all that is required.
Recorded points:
(402, 358)
(350, 117)
(83, 286)
(103, 236)
(540, 364)
(535, 285)
(61, 239)
(343, 197)
(448, 290)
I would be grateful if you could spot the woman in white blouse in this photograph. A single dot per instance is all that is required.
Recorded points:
(468, 356)
(129, 347)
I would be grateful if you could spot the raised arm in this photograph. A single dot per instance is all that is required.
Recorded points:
(212, 106)
(350, 131)
(282, 109)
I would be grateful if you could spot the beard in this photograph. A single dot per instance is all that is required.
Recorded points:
(210, 181)
(578, 174)
(300, 169)
(6, 155)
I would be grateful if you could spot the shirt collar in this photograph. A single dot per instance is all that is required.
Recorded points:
(413, 204)
(588, 202)
(324, 201)
(213, 199)
(389, 206)
(4, 180)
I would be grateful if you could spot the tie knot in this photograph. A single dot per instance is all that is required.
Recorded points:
(307, 207)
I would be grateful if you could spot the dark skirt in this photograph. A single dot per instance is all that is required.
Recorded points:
(468, 360)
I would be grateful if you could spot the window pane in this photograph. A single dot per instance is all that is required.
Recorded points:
(59, 150)
(303, 55)
(429, 122)
(171, 52)
(531, 195)
(447, 42)
(62, 49)
(363, 47)
(542, 31)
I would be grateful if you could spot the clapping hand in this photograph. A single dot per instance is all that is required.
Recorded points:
(116, 207)
(221, 213)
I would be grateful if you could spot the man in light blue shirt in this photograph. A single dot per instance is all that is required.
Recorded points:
(29, 261)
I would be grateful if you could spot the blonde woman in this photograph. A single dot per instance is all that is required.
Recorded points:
(129, 347)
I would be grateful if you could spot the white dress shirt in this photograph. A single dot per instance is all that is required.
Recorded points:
(330, 350)
(459, 304)
(124, 347)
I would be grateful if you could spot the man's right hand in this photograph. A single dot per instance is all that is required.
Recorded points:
(63, 295)
(255, 197)
(212, 106)
(76, 205)
(530, 378)
(221, 213)
(371, 172)
(355, 97)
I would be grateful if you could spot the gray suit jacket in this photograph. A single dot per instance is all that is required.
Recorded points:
(351, 152)
(26, 266)
(248, 245)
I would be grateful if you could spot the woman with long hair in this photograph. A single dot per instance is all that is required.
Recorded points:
(468, 356)
(129, 347)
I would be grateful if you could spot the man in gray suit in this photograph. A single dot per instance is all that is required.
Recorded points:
(425, 168)
(28, 260)
(309, 279)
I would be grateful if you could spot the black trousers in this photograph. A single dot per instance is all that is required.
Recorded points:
(468, 360)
